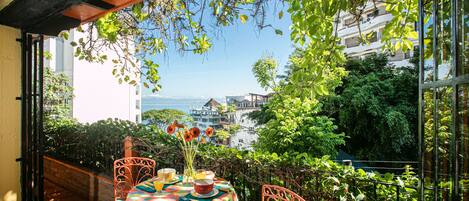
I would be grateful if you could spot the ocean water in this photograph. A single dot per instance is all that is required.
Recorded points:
(183, 104)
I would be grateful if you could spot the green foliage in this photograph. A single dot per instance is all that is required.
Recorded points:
(265, 71)
(376, 108)
(93, 146)
(400, 31)
(295, 123)
(58, 95)
(298, 127)
(261, 116)
(164, 117)
(225, 109)
(223, 134)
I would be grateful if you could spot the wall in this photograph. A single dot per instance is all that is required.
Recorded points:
(10, 73)
(97, 93)
(82, 183)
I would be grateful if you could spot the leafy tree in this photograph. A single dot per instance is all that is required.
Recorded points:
(265, 71)
(58, 95)
(164, 117)
(296, 124)
(298, 127)
(225, 109)
(376, 108)
(222, 135)
(261, 116)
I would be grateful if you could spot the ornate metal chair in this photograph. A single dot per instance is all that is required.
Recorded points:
(277, 193)
(130, 171)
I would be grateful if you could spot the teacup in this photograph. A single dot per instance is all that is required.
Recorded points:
(167, 174)
(204, 174)
(203, 186)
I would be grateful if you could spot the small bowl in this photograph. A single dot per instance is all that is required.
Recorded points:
(203, 186)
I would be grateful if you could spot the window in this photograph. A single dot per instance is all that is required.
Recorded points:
(59, 54)
(349, 22)
(352, 41)
(380, 33)
(373, 14)
(372, 37)
(445, 117)
(137, 90)
(137, 119)
(137, 104)
(382, 11)
(407, 55)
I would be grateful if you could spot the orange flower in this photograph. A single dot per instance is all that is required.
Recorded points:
(171, 129)
(195, 132)
(209, 131)
(187, 136)
(203, 141)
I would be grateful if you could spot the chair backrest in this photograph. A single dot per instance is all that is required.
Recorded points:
(277, 193)
(130, 171)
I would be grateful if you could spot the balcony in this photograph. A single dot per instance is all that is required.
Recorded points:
(372, 23)
(313, 178)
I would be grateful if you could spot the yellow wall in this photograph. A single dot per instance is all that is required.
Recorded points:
(10, 85)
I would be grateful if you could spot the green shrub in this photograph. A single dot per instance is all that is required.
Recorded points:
(94, 146)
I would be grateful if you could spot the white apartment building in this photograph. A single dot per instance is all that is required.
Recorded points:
(97, 93)
(372, 22)
(246, 136)
(207, 115)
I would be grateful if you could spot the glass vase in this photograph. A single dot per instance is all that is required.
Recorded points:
(189, 174)
(189, 170)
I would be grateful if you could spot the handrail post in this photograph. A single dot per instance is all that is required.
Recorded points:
(397, 192)
(129, 147)
(129, 152)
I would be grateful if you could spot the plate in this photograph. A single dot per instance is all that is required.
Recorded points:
(208, 195)
(173, 181)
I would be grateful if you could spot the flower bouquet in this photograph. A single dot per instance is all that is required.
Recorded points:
(189, 140)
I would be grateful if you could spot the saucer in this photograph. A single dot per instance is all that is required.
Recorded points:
(173, 181)
(208, 195)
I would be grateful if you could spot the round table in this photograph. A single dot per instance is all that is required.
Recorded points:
(179, 192)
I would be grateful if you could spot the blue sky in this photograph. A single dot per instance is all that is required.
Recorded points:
(226, 68)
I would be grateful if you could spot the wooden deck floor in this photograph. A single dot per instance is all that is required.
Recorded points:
(53, 192)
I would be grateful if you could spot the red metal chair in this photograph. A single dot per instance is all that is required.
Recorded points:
(277, 193)
(129, 172)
